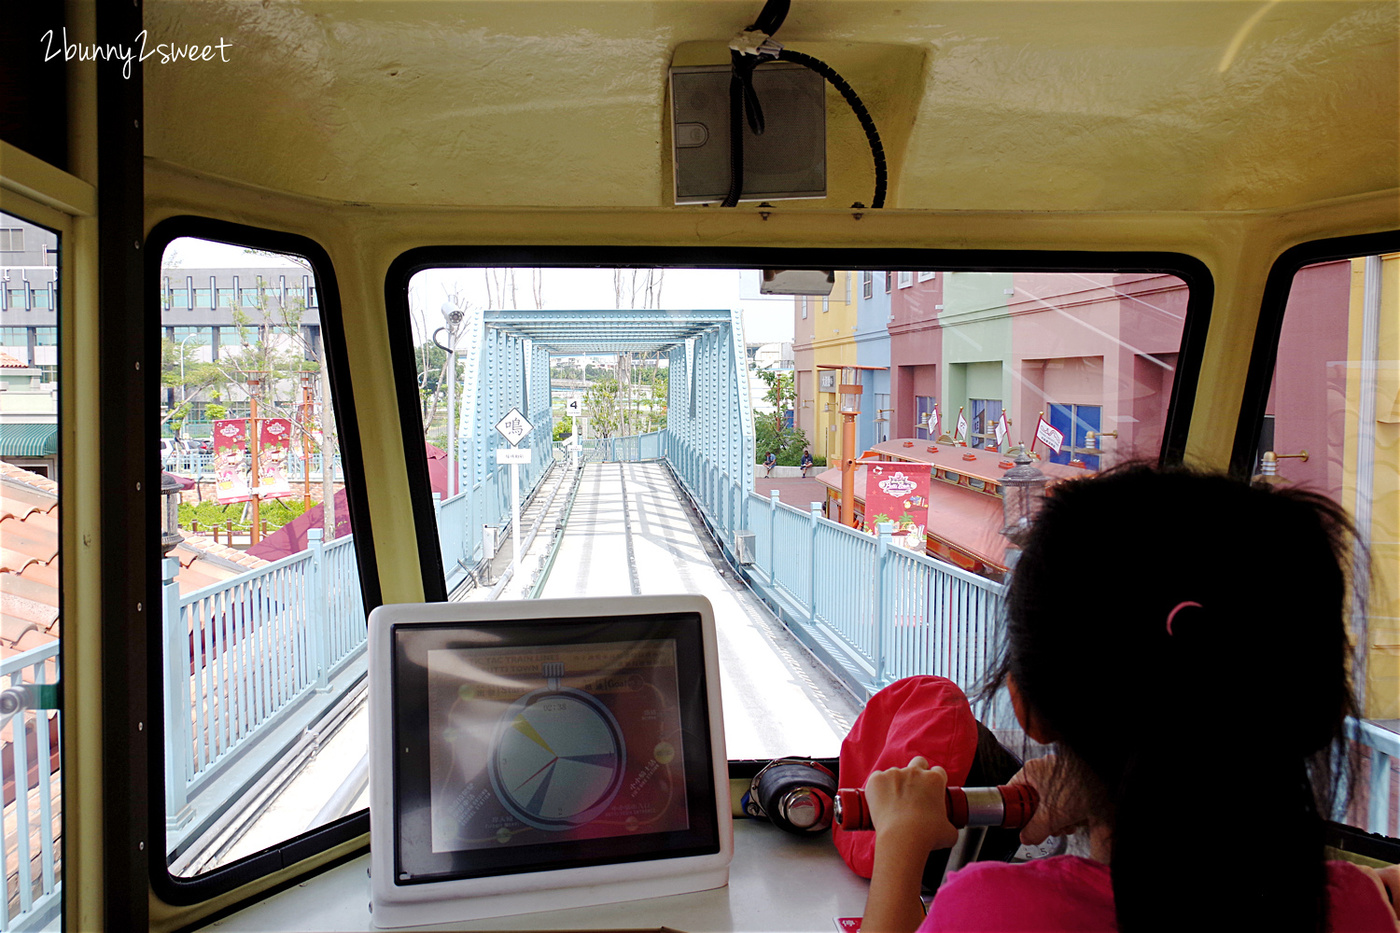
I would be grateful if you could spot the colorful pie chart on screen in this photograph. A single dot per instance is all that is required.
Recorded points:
(558, 759)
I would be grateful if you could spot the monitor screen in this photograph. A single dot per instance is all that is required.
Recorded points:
(548, 737)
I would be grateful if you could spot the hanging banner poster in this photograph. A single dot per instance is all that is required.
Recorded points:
(231, 461)
(898, 493)
(275, 436)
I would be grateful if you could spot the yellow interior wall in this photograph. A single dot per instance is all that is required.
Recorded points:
(363, 240)
(376, 127)
(1020, 105)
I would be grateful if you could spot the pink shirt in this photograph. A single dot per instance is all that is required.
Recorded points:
(1071, 894)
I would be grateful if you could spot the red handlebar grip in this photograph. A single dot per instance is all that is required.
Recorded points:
(956, 798)
(1018, 806)
(850, 809)
(1020, 801)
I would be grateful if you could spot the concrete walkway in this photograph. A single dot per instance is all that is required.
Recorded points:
(632, 532)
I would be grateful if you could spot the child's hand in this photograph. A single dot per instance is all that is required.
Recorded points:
(1388, 880)
(1058, 813)
(909, 809)
(909, 803)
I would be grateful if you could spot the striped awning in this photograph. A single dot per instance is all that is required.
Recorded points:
(28, 440)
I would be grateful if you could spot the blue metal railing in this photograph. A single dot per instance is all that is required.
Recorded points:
(240, 654)
(634, 447)
(1382, 751)
(879, 612)
(31, 847)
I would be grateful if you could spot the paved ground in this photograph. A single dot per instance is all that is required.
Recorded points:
(796, 492)
(632, 533)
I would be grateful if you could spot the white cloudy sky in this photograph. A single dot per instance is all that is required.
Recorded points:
(767, 319)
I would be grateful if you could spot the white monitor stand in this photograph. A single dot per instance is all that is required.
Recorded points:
(540, 754)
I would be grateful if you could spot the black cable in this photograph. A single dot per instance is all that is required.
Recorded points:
(742, 97)
(740, 93)
(771, 16)
(744, 101)
(867, 123)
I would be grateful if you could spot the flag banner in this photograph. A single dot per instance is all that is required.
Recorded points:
(1003, 431)
(962, 429)
(275, 437)
(231, 461)
(898, 493)
(1048, 436)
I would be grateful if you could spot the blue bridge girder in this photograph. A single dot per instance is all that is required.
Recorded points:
(708, 437)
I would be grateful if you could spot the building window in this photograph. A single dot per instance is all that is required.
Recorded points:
(906, 279)
(11, 239)
(982, 422)
(923, 412)
(46, 336)
(889, 282)
(179, 298)
(226, 297)
(17, 299)
(199, 336)
(867, 284)
(826, 304)
(42, 297)
(202, 298)
(925, 276)
(1074, 422)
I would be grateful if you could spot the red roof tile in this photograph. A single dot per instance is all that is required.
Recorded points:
(29, 564)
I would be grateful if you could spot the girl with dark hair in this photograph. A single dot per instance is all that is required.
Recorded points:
(1194, 684)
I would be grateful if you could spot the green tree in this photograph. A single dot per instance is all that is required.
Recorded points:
(432, 389)
(600, 407)
(771, 430)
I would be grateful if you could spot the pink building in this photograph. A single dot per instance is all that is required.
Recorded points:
(1308, 395)
(916, 352)
(1096, 352)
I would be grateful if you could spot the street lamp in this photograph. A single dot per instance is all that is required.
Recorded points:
(453, 315)
(170, 536)
(1022, 495)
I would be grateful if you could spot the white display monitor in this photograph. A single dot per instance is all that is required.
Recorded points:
(539, 754)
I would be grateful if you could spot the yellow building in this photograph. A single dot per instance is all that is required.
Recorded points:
(1373, 449)
(824, 341)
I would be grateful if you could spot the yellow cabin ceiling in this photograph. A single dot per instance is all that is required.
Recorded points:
(1191, 105)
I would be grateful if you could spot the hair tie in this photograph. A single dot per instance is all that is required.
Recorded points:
(1179, 606)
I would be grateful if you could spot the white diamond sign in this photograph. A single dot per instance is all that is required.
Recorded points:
(514, 426)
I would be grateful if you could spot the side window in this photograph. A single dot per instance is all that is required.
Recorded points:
(1332, 424)
(30, 565)
(263, 625)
